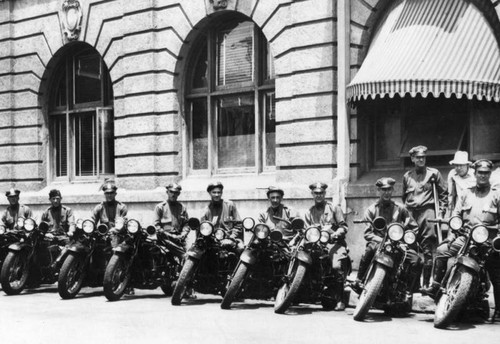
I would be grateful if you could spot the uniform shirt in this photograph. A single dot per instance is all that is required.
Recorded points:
(222, 212)
(59, 219)
(12, 213)
(417, 189)
(326, 214)
(391, 212)
(284, 212)
(171, 217)
(106, 214)
(479, 206)
(457, 186)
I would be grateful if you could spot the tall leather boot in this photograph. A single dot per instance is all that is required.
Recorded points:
(438, 274)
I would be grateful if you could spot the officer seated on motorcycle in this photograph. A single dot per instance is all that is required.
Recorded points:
(278, 216)
(331, 218)
(478, 205)
(14, 211)
(223, 214)
(391, 212)
(170, 218)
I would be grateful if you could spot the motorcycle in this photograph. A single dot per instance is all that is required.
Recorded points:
(262, 265)
(86, 259)
(144, 260)
(388, 283)
(310, 276)
(209, 262)
(35, 259)
(465, 284)
(7, 238)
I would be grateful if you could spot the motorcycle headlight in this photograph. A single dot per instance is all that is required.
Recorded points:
(409, 237)
(248, 223)
(133, 226)
(325, 237)
(276, 235)
(219, 234)
(395, 231)
(20, 222)
(29, 225)
(79, 223)
(151, 230)
(313, 234)
(455, 223)
(261, 231)
(88, 226)
(120, 222)
(480, 234)
(206, 229)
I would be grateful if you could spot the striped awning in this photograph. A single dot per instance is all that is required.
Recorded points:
(430, 47)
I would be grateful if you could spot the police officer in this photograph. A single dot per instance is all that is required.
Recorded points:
(460, 178)
(14, 211)
(108, 211)
(331, 218)
(59, 217)
(478, 205)
(280, 210)
(170, 217)
(391, 212)
(221, 213)
(418, 197)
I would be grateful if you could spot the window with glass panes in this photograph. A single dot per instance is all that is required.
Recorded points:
(81, 117)
(230, 100)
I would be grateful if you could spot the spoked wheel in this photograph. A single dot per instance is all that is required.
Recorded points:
(185, 277)
(116, 278)
(235, 286)
(288, 291)
(367, 297)
(71, 276)
(15, 273)
(453, 300)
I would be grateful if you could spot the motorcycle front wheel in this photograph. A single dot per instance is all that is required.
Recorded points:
(185, 277)
(116, 278)
(235, 286)
(367, 297)
(71, 277)
(287, 293)
(453, 300)
(15, 273)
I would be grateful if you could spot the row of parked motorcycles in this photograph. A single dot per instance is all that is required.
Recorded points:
(291, 272)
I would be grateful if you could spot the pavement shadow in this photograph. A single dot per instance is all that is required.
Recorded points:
(254, 305)
(40, 290)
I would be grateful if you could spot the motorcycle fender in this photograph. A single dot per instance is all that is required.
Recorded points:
(385, 260)
(78, 249)
(248, 257)
(122, 249)
(195, 252)
(18, 246)
(469, 262)
(305, 257)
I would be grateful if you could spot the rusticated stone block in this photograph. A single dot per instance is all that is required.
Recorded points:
(306, 155)
(310, 131)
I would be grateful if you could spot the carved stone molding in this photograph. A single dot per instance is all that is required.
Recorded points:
(72, 15)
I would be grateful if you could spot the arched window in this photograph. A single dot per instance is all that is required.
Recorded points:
(230, 100)
(81, 117)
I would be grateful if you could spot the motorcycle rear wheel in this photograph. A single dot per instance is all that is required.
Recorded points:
(71, 277)
(116, 278)
(185, 277)
(369, 293)
(287, 293)
(451, 302)
(15, 273)
(239, 277)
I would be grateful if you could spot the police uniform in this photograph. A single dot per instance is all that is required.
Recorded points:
(13, 212)
(418, 197)
(60, 219)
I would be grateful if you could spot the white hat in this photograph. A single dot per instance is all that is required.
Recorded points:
(460, 158)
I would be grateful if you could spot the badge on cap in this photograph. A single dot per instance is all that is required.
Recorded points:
(174, 187)
(483, 165)
(12, 192)
(318, 187)
(214, 185)
(109, 187)
(385, 182)
(274, 189)
(418, 151)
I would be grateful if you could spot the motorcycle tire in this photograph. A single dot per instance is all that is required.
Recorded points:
(287, 293)
(116, 278)
(167, 289)
(71, 276)
(234, 287)
(369, 293)
(185, 277)
(454, 299)
(14, 273)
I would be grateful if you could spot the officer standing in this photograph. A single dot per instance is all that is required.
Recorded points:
(331, 218)
(460, 178)
(418, 197)
(392, 212)
(14, 211)
(478, 205)
(280, 210)
(170, 217)
(59, 217)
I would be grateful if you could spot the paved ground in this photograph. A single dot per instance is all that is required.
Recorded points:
(42, 317)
